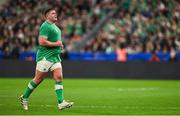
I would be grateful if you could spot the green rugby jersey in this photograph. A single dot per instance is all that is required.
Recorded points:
(53, 34)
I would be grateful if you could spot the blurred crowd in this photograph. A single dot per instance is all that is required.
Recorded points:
(20, 21)
(148, 26)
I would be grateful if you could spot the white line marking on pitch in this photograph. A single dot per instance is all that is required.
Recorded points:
(136, 89)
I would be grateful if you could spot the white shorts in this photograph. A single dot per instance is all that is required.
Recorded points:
(45, 66)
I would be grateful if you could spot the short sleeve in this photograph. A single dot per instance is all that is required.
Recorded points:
(44, 31)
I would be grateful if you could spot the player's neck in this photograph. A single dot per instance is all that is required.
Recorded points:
(49, 21)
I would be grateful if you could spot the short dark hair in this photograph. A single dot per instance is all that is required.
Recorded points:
(47, 11)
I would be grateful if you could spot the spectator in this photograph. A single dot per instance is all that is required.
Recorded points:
(121, 53)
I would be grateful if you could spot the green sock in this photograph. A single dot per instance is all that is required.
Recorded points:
(59, 91)
(31, 86)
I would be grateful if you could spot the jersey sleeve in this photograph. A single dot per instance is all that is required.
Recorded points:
(44, 31)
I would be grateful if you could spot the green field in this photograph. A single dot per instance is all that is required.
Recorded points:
(94, 97)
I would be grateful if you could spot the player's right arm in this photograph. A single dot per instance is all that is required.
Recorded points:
(43, 41)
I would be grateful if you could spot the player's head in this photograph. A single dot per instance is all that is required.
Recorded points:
(50, 14)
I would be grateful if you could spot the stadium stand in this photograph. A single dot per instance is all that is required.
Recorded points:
(141, 30)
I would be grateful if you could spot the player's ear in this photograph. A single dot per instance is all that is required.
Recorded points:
(46, 15)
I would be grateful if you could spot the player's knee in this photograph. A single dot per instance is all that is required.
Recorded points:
(58, 77)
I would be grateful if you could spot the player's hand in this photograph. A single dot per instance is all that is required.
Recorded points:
(59, 43)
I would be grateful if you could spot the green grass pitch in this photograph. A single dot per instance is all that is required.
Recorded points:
(94, 97)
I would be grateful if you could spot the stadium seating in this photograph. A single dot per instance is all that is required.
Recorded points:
(142, 27)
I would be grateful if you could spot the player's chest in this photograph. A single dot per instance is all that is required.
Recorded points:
(55, 30)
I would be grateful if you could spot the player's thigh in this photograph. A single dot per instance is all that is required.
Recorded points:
(56, 70)
(39, 74)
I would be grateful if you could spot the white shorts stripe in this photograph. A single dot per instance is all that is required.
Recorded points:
(58, 87)
(30, 86)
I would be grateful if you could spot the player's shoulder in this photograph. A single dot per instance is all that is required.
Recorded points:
(45, 24)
